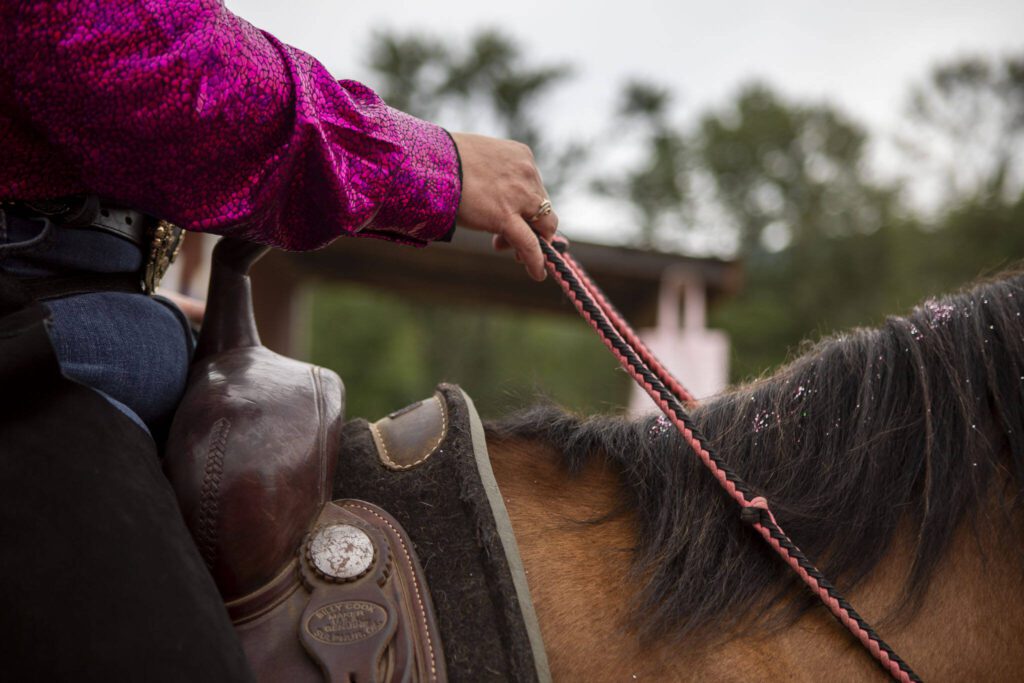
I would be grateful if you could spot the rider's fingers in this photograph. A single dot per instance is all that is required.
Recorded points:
(546, 226)
(546, 230)
(521, 237)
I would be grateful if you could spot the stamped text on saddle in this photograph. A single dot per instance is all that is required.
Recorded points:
(318, 589)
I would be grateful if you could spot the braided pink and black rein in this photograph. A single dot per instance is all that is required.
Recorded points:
(669, 394)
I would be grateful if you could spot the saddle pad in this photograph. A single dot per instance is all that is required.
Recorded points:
(428, 466)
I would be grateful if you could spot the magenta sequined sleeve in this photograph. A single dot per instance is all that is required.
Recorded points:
(185, 111)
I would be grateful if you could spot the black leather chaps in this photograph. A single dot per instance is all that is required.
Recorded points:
(99, 577)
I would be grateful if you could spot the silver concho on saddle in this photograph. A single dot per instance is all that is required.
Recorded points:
(317, 589)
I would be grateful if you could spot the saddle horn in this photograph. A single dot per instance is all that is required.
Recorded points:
(229, 322)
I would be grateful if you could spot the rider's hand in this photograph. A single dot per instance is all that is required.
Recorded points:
(501, 190)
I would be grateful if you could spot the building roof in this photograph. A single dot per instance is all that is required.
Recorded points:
(468, 271)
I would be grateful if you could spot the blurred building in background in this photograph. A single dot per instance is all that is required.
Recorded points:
(681, 340)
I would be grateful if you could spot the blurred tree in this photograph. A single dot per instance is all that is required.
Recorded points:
(966, 128)
(487, 85)
(790, 174)
(410, 70)
(967, 136)
(815, 228)
(492, 74)
(657, 188)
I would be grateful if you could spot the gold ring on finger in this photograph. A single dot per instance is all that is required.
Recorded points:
(544, 210)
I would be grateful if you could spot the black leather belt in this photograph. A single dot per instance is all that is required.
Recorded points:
(89, 213)
(131, 225)
(158, 239)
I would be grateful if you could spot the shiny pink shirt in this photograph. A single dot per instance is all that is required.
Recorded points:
(187, 112)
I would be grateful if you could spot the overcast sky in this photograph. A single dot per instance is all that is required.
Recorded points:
(861, 55)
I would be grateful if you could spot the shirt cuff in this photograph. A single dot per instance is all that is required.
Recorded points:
(423, 196)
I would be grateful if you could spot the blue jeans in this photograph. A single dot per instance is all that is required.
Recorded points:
(131, 348)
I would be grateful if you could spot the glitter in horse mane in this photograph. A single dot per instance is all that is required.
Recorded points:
(905, 428)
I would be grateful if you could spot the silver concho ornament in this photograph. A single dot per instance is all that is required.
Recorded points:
(341, 552)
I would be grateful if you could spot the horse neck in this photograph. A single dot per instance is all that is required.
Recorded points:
(586, 596)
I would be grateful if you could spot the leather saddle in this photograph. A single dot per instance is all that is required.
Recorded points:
(317, 589)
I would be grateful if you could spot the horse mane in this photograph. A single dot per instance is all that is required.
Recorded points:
(897, 430)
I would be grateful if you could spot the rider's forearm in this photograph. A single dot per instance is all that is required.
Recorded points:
(183, 110)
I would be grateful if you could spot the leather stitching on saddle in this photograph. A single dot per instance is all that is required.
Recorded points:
(386, 457)
(321, 435)
(209, 506)
(415, 579)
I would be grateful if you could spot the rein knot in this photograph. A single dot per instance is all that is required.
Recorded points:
(755, 510)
